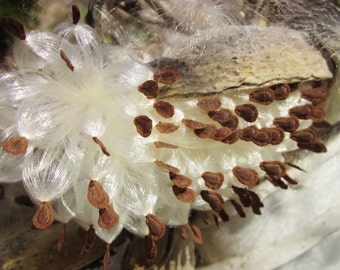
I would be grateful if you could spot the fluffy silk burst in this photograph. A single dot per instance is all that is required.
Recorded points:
(100, 137)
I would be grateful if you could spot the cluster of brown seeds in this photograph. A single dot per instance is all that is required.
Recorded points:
(98, 197)
(226, 130)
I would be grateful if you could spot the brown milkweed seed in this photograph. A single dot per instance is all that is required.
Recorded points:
(213, 180)
(149, 88)
(261, 138)
(210, 104)
(246, 176)
(208, 132)
(282, 91)
(315, 95)
(164, 109)
(166, 166)
(108, 218)
(316, 147)
(276, 135)
(195, 233)
(302, 112)
(232, 122)
(223, 215)
(304, 136)
(233, 137)
(222, 133)
(263, 96)
(143, 125)
(288, 124)
(166, 75)
(14, 27)
(44, 216)
(221, 116)
(192, 124)
(185, 195)
(97, 196)
(166, 128)
(102, 146)
(214, 199)
(75, 14)
(274, 169)
(67, 60)
(180, 180)
(165, 145)
(318, 114)
(248, 133)
(15, 146)
(248, 112)
(156, 227)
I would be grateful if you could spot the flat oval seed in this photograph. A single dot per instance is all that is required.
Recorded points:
(143, 125)
(180, 180)
(166, 166)
(97, 196)
(263, 96)
(222, 133)
(195, 233)
(275, 169)
(288, 124)
(166, 128)
(108, 218)
(233, 137)
(304, 136)
(248, 133)
(248, 112)
(44, 216)
(244, 195)
(210, 104)
(166, 75)
(315, 95)
(221, 116)
(192, 124)
(213, 180)
(207, 132)
(164, 109)
(276, 135)
(149, 88)
(261, 137)
(246, 176)
(156, 227)
(281, 92)
(185, 195)
(318, 114)
(232, 122)
(15, 146)
(214, 199)
(165, 145)
(316, 147)
(302, 112)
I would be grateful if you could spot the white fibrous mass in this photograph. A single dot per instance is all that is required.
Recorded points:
(113, 141)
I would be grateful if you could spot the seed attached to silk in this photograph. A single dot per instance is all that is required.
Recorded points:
(248, 112)
(246, 176)
(143, 125)
(164, 109)
(149, 88)
(210, 105)
(15, 146)
(44, 216)
(166, 75)
(97, 196)
(108, 218)
(156, 227)
(263, 96)
(185, 195)
(213, 180)
(180, 180)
